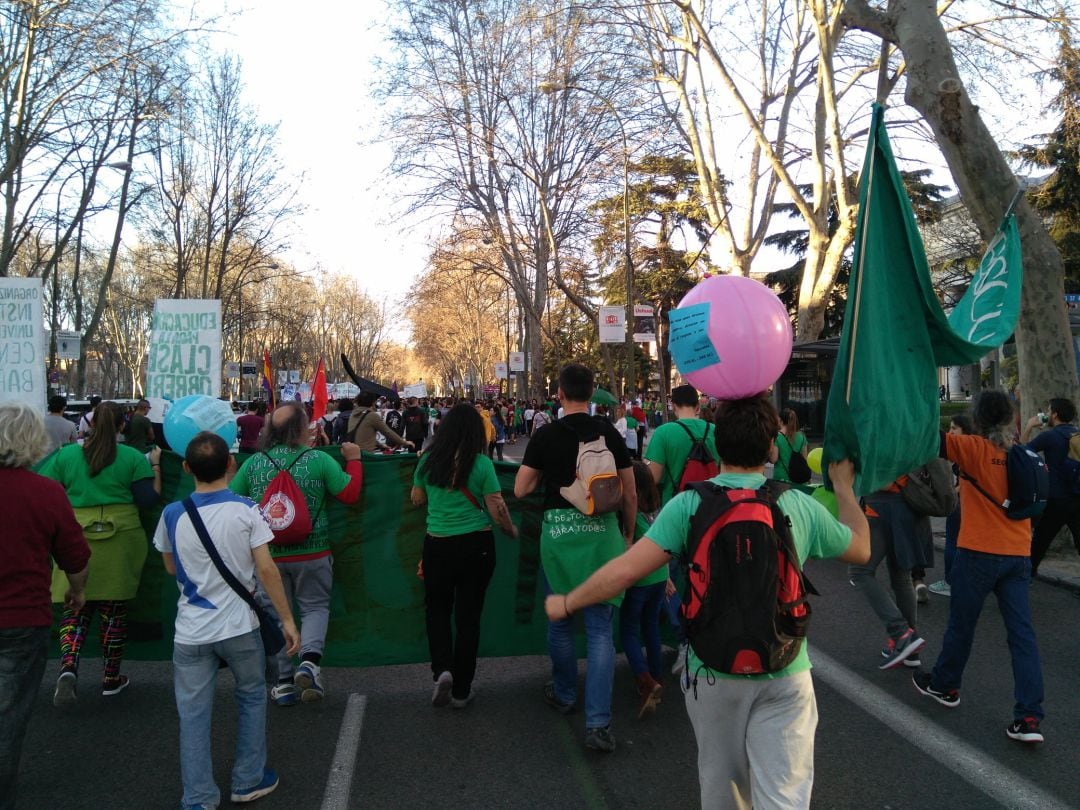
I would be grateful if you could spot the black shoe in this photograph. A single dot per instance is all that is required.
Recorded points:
(1025, 730)
(600, 739)
(552, 700)
(949, 699)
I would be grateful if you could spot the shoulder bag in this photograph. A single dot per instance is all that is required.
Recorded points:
(272, 638)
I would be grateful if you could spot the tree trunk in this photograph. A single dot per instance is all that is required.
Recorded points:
(986, 184)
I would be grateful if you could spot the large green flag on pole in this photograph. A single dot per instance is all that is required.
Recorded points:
(883, 404)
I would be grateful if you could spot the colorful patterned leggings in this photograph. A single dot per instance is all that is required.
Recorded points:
(73, 629)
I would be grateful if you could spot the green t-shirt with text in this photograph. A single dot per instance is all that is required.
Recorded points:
(319, 477)
(449, 511)
(670, 446)
(815, 532)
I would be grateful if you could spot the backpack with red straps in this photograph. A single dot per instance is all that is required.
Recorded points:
(700, 465)
(284, 507)
(745, 606)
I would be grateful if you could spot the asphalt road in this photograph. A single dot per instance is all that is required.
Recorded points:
(879, 744)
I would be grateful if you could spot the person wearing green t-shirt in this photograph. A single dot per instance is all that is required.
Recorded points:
(670, 444)
(306, 567)
(789, 440)
(755, 733)
(454, 477)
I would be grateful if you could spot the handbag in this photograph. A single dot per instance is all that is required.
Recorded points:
(272, 637)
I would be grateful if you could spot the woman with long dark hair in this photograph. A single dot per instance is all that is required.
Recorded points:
(452, 478)
(106, 483)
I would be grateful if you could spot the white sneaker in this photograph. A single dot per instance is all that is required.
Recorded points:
(441, 696)
(680, 659)
(941, 588)
(309, 683)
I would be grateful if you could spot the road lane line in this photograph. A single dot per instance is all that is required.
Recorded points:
(974, 766)
(339, 782)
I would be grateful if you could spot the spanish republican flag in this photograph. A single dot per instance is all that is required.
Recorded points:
(319, 395)
(267, 386)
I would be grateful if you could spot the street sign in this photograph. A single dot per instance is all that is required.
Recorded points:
(501, 371)
(250, 370)
(232, 371)
(68, 344)
(612, 324)
(517, 361)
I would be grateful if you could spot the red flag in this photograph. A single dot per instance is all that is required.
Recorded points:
(318, 393)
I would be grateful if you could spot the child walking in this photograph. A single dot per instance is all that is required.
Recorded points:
(639, 615)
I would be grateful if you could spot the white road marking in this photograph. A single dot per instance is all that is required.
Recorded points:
(997, 781)
(339, 782)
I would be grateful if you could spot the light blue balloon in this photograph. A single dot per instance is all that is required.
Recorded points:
(193, 414)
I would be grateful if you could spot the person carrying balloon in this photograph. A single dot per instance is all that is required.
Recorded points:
(305, 567)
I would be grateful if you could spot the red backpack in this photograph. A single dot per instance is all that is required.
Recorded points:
(744, 607)
(700, 465)
(284, 507)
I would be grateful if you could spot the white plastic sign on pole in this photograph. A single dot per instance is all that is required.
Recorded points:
(612, 324)
(517, 361)
(232, 371)
(500, 371)
(22, 341)
(185, 349)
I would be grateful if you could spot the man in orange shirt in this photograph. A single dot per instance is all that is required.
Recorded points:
(992, 555)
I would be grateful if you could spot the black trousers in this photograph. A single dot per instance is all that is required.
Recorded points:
(457, 571)
(1059, 512)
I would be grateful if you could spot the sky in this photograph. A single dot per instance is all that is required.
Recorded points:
(310, 68)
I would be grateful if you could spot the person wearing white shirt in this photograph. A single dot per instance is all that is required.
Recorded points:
(215, 625)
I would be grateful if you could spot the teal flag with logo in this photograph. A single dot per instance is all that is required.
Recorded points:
(883, 404)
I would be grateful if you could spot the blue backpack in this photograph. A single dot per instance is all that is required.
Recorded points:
(1029, 484)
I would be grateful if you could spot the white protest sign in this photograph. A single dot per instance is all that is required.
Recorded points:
(612, 324)
(22, 344)
(419, 390)
(185, 349)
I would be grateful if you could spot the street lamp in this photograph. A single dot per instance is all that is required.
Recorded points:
(548, 88)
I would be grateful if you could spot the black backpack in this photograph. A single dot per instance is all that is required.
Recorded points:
(744, 607)
(1029, 484)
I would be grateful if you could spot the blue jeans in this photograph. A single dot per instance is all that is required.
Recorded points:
(974, 576)
(952, 531)
(640, 613)
(600, 655)
(195, 669)
(22, 663)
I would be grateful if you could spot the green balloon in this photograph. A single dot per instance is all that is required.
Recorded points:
(827, 499)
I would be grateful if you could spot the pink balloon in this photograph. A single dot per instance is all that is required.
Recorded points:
(750, 330)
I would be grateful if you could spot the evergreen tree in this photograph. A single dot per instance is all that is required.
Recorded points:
(1058, 197)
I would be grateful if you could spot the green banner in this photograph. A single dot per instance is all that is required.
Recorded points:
(377, 607)
(883, 403)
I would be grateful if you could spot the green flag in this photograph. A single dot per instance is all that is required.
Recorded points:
(883, 404)
(987, 313)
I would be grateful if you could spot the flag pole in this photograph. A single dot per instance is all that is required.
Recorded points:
(1012, 204)
(864, 215)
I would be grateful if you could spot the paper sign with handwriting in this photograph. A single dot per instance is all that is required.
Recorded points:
(689, 344)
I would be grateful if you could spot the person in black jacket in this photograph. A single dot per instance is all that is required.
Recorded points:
(416, 423)
(341, 422)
